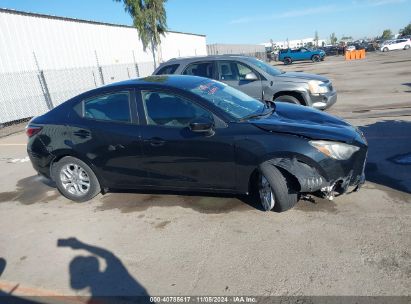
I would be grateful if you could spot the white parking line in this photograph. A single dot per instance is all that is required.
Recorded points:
(19, 160)
(15, 160)
(13, 145)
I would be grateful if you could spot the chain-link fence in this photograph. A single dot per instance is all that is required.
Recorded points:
(257, 51)
(29, 93)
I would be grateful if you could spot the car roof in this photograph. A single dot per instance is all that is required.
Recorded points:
(209, 57)
(172, 81)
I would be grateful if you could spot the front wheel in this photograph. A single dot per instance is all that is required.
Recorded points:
(288, 98)
(75, 179)
(315, 58)
(287, 61)
(385, 49)
(406, 47)
(277, 191)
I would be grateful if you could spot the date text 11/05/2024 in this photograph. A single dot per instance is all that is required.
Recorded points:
(203, 299)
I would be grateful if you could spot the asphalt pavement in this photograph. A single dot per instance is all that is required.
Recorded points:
(175, 244)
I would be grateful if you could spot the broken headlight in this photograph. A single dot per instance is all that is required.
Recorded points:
(333, 149)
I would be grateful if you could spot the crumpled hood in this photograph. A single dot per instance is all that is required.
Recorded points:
(307, 122)
(305, 76)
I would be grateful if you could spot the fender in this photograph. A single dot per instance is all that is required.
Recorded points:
(308, 177)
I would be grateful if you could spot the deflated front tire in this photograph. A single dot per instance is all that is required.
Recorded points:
(281, 194)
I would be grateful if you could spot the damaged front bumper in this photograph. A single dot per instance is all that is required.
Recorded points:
(311, 181)
(342, 186)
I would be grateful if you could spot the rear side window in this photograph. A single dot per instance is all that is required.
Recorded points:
(168, 69)
(203, 69)
(109, 107)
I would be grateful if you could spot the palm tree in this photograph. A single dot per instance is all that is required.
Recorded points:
(150, 20)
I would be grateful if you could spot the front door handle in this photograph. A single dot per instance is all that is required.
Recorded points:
(82, 133)
(156, 142)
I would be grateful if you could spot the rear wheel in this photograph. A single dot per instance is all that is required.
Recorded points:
(406, 47)
(288, 98)
(315, 58)
(277, 191)
(75, 179)
(385, 49)
(287, 60)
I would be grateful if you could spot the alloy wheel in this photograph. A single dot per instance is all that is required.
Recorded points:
(266, 194)
(75, 179)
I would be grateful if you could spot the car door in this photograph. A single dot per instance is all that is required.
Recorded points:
(105, 132)
(396, 45)
(233, 73)
(176, 157)
(304, 54)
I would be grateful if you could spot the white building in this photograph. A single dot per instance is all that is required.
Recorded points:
(293, 44)
(45, 60)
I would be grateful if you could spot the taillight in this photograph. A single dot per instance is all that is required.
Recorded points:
(31, 130)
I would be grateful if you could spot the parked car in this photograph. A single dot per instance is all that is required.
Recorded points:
(397, 44)
(332, 50)
(187, 133)
(288, 55)
(350, 48)
(257, 79)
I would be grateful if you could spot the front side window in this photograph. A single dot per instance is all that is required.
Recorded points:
(202, 69)
(166, 109)
(233, 70)
(168, 69)
(109, 107)
(243, 70)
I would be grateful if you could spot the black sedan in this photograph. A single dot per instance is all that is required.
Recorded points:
(187, 133)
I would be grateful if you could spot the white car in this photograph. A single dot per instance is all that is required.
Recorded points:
(350, 48)
(398, 44)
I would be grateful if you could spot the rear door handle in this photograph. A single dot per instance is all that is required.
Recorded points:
(156, 142)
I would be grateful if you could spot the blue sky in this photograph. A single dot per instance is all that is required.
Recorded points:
(245, 21)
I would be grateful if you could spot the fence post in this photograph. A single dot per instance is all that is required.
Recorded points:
(136, 65)
(100, 70)
(43, 84)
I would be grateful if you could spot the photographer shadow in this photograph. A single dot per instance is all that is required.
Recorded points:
(111, 284)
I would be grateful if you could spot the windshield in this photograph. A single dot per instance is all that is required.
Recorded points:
(233, 102)
(264, 66)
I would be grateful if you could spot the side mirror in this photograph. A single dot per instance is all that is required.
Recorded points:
(251, 77)
(201, 125)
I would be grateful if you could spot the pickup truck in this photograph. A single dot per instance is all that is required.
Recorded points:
(288, 56)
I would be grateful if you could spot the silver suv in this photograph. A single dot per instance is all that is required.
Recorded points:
(257, 79)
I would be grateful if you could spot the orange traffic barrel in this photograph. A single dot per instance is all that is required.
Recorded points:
(347, 55)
